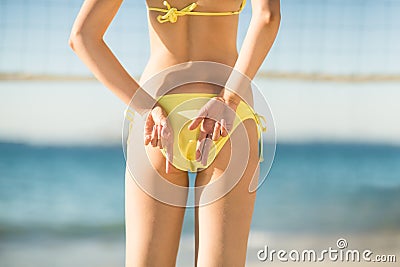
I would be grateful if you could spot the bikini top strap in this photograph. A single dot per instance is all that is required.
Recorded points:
(242, 6)
(172, 13)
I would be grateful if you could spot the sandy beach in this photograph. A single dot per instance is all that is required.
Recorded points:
(109, 252)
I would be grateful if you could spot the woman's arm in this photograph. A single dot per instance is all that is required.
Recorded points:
(87, 41)
(259, 39)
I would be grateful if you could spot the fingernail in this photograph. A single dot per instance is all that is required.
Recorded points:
(198, 155)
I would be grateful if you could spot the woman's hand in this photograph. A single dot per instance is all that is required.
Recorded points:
(158, 132)
(216, 118)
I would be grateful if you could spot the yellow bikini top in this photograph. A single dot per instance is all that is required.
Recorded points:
(172, 13)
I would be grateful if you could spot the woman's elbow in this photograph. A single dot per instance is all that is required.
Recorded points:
(268, 12)
(74, 39)
(81, 38)
(71, 43)
(270, 17)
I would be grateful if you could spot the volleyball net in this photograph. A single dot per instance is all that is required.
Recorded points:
(356, 40)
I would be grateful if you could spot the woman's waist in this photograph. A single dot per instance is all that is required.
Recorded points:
(200, 88)
(157, 63)
(164, 75)
(163, 57)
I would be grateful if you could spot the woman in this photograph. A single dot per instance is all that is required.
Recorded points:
(179, 34)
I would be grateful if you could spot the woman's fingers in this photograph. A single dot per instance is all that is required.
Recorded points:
(224, 131)
(200, 117)
(147, 139)
(158, 132)
(209, 132)
(217, 131)
(159, 129)
(195, 123)
(206, 150)
(213, 118)
(200, 145)
(167, 140)
(154, 136)
(170, 151)
(148, 129)
(203, 147)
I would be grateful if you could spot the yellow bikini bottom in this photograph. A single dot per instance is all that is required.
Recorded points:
(181, 109)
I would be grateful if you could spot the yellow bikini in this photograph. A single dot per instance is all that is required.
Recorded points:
(183, 107)
(172, 13)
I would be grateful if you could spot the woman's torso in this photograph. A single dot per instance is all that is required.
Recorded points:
(192, 38)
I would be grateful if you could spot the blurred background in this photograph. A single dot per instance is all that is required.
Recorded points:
(332, 80)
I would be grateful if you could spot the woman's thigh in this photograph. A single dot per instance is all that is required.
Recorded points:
(153, 228)
(222, 227)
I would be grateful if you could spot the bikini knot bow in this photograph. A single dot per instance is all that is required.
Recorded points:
(261, 122)
(173, 13)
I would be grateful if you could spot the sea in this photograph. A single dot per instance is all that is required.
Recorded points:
(71, 199)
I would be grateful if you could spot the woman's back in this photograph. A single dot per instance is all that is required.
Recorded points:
(192, 38)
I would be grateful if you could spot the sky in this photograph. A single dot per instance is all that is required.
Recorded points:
(330, 37)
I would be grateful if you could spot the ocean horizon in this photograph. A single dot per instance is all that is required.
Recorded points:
(70, 197)
(78, 190)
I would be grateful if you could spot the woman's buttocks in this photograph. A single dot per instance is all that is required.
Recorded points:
(192, 38)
